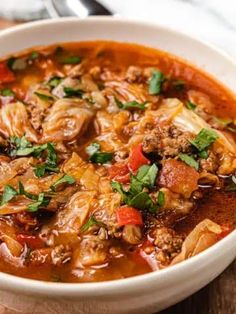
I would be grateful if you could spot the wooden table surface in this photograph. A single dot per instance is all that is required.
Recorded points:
(219, 297)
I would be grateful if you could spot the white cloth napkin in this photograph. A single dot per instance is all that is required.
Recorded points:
(211, 20)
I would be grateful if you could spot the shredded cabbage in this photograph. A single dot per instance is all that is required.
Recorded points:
(189, 121)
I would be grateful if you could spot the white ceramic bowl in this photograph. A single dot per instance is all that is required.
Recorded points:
(146, 293)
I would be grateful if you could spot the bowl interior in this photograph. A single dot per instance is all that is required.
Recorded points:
(105, 28)
(72, 29)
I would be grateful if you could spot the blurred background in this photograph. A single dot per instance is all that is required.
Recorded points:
(210, 20)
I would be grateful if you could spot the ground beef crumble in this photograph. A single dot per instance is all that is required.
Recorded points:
(167, 141)
(168, 244)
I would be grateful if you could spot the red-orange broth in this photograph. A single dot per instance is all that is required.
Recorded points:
(111, 154)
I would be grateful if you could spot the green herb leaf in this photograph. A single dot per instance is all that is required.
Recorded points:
(179, 85)
(52, 155)
(66, 178)
(22, 191)
(96, 156)
(72, 60)
(91, 222)
(10, 62)
(161, 199)
(73, 92)
(41, 202)
(44, 97)
(203, 154)
(156, 82)
(190, 105)
(54, 81)
(141, 201)
(135, 196)
(22, 147)
(40, 170)
(8, 194)
(130, 105)
(117, 186)
(204, 139)
(7, 92)
(93, 148)
(34, 55)
(189, 160)
(101, 158)
(147, 175)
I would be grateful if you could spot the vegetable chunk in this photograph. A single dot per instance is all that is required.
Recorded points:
(179, 177)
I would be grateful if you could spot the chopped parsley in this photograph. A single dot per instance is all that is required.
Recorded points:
(96, 156)
(22, 147)
(22, 191)
(66, 178)
(54, 81)
(145, 177)
(71, 60)
(131, 105)
(91, 222)
(10, 62)
(40, 200)
(34, 55)
(8, 194)
(189, 160)
(203, 154)
(73, 92)
(44, 97)
(161, 199)
(7, 92)
(190, 105)
(204, 139)
(136, 196)
(179, 85)
(51, 162)
(156, 81)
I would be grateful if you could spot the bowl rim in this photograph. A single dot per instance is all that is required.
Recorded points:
(126, 285)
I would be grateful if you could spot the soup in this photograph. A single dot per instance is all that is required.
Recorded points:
(115, 160)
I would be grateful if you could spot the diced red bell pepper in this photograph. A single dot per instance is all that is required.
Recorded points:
(6, 75)
(34, 242)
(128, 216)
(225, 231)
(137, 158)
(119, 172)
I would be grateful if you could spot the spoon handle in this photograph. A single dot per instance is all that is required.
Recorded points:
(80, 8)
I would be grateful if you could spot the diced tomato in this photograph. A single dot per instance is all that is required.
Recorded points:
(33, 242)
(137, 158)
(178, 177)
(225, 231)
(120, 172)
(128, 216)
(6, 75)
